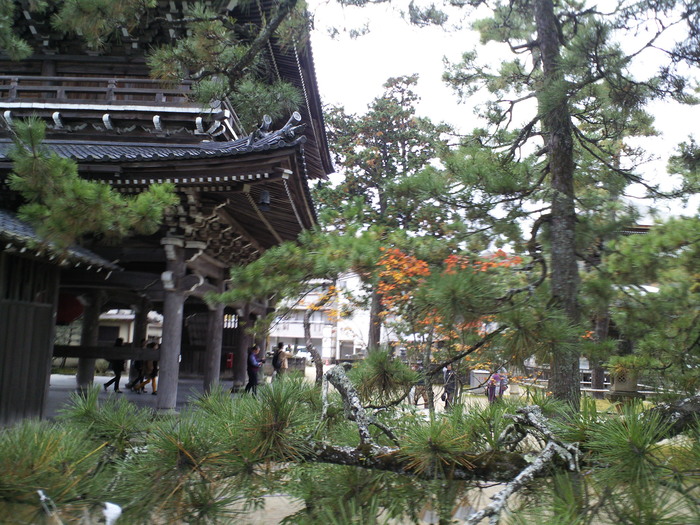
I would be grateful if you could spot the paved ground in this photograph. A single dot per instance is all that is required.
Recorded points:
(62, 386)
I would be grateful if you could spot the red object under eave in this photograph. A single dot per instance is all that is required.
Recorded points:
(69, 309)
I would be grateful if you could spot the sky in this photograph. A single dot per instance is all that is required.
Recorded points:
(351, 72)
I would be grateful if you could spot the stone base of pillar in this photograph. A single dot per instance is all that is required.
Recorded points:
(237, 387)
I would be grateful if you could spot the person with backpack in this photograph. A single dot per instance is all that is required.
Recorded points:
(280, 362)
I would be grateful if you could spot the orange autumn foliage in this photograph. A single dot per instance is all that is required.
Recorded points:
(495, 260)
(401, 276)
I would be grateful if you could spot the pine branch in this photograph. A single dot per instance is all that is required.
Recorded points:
(490, 466)
(436, 368)
(224, 20)
(529, 417)
(262, 39)
(354, 410)
(537, 258)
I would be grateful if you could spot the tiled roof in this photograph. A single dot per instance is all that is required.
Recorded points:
(141, 152)
(19, 236)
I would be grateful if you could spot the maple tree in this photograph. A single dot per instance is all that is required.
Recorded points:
(450, 312)
(376, 152)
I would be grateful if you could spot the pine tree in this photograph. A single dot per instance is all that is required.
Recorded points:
(376, 153)
(64, 208)
(574, 79)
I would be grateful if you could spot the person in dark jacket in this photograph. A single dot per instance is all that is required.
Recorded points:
(137, 370)
(450, 387)
(116, 366)
(254, 366)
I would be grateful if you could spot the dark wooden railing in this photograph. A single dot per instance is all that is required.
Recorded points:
(107, 352)
(136, 91)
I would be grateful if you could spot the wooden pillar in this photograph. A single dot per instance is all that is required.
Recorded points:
(173, 305)
(240, 356)
(141, 310)
(212, 370)
(89, 337)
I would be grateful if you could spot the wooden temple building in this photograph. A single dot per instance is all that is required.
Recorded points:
(240, 193)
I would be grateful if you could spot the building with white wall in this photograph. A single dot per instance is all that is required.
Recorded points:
(339, 328)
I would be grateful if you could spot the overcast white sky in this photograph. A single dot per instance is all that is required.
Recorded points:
(351, 72)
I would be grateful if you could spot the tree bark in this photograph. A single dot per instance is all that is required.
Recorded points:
(602, 324)
(374, 337)
(682, 414)
(564, 382)
(501, 466)
(318, 362)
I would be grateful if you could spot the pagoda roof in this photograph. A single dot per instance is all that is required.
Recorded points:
(125, 152)
(122, 59)
(20, 237)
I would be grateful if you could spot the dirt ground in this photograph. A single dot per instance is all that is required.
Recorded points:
(277, 507)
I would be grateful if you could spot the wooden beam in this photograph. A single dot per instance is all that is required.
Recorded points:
(203, 264)
(107, 352)
(262, 218)
(298, 185)
(228, 219)
(285, 177)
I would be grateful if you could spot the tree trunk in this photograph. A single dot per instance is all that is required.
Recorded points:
(318, 362)
(427, 359)
(564, 382)
(602, 324)
(375, 322)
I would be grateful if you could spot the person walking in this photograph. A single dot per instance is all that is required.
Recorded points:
(116, 366)
(139, 374)
(137, 370)
(448, 395)
(253, 367)
(419, 391)
(280, 361)
(492, 387)
(150, 371)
